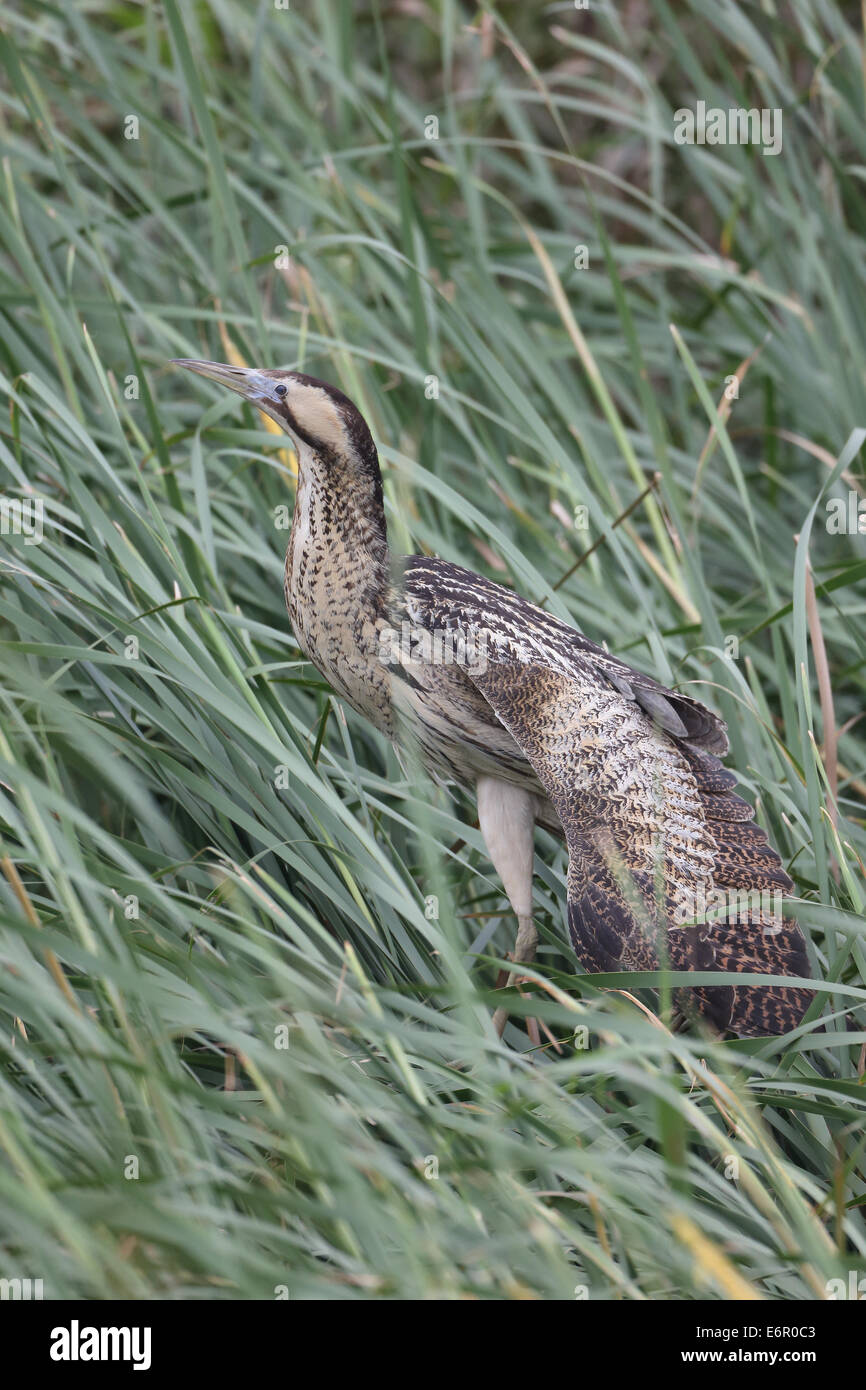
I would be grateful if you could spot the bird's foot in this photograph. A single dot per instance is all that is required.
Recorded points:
(524, 953)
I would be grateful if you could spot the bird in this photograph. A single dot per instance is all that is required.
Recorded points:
(666, 867)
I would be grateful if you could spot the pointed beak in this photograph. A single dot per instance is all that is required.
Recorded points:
(249, 382)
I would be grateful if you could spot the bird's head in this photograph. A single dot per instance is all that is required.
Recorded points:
(315, 414)
(336, 453)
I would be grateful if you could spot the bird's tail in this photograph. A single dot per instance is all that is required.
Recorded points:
(749, 934)
(749, 940)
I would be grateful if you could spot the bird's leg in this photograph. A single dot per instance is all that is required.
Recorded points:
(506, 815)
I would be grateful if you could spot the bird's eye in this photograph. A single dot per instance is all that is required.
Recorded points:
(281, 389)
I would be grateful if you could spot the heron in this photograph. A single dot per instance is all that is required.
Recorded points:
(544, 727)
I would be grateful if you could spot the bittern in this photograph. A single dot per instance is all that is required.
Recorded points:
(506, 700)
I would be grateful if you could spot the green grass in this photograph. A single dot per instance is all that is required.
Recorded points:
(220, 963)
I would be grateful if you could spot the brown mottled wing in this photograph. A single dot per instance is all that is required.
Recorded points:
(655, 838)
(440, 596)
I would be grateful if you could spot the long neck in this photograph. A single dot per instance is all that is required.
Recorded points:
(338, 571)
